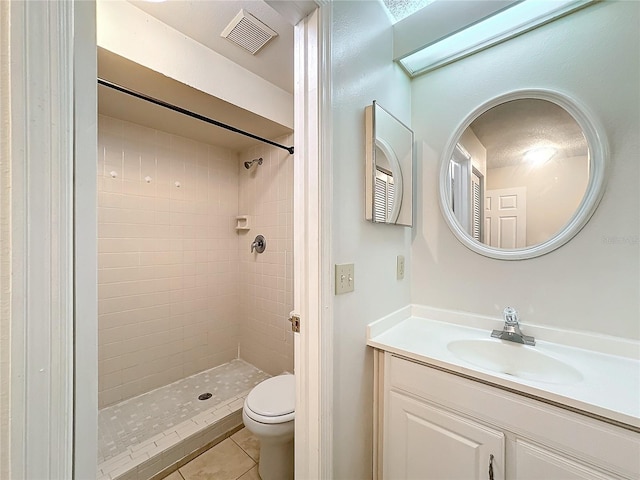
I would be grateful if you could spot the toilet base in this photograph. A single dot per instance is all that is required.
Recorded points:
(276, 461)
(276, 447)
(271, 420)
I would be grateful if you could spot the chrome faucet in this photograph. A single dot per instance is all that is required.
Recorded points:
(511, 330)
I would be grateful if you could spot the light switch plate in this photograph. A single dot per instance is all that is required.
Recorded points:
(400, 267)
(344, 278)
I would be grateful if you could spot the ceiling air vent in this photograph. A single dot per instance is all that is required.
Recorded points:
(248, 32)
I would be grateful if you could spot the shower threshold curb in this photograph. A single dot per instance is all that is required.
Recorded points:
(164, 452)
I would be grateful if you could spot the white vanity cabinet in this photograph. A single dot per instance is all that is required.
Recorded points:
(432, 424)
(428, 442)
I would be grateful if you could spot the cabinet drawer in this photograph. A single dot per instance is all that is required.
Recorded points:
(535, 462)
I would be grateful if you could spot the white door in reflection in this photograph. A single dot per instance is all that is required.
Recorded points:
(505, 217)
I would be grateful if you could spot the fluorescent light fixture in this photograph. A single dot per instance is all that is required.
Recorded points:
(505, 24)
(539, 156)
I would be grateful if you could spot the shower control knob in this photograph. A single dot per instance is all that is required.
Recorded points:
(259, 244)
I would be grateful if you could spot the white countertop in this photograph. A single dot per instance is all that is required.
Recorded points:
(610, 387)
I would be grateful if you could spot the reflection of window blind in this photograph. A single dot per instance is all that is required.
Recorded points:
(476, 208)
(383, 198)
(380, 202)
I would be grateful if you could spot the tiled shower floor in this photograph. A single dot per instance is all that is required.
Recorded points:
(141, 425)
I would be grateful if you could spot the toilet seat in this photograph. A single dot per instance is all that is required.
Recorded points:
(272, 401)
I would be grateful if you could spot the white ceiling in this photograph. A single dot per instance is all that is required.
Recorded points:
(205, 20)
(512, 128)
(124, 72)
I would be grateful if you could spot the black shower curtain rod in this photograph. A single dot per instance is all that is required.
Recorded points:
(189, 113)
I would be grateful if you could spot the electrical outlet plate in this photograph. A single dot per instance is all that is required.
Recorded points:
(400, 267)
(344, 278)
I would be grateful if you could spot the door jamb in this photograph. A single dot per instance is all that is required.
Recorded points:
(312, 220)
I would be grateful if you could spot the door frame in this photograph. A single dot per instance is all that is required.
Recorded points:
(53, 316)
(460, 166)
(44, 45)
(312, 254)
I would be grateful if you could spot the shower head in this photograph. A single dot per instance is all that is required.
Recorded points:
(248, 165)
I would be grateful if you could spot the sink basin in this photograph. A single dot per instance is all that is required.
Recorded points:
(514, 359)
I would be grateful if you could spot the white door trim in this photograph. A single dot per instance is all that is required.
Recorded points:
(312, 282)
(85, 413)
(41, 242)
(42, 310)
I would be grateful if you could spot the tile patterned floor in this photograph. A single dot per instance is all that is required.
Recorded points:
(137, 420)
(233, 459)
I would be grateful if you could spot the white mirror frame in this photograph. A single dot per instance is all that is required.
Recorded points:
(598, 161)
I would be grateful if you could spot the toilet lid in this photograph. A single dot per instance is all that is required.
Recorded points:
(273, 397)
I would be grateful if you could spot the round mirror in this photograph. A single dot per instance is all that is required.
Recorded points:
(522, 174)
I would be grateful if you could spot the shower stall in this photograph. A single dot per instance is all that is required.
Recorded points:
(190, 317)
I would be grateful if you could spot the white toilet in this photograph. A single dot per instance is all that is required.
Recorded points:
(268, 413)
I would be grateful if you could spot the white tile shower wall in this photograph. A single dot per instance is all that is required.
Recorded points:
(266, 297)
(167, 258)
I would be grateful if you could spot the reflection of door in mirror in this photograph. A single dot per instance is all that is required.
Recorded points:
(530, 144)
(467, 187)
(460, 174)
(505, 217)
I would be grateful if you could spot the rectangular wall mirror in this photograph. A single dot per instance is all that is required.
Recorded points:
(389, 168)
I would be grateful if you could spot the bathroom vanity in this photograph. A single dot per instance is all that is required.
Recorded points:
(437, 416)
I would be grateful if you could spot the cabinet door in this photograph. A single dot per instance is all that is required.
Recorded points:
(424, 442)
(535, 462)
